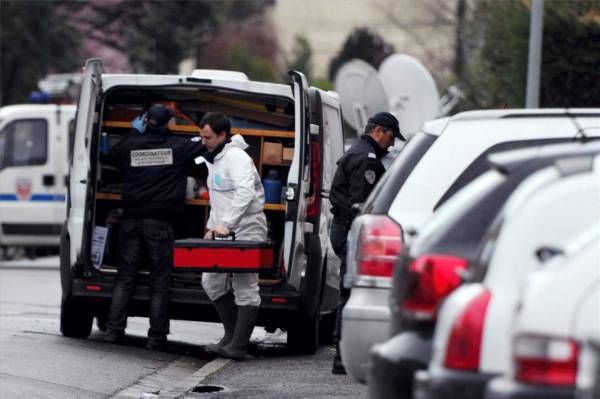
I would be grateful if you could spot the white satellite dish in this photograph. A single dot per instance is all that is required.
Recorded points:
(361, 92)
(413, 95)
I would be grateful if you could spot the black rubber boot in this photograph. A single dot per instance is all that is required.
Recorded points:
(338, 366)
(227, 310)
(246, 319)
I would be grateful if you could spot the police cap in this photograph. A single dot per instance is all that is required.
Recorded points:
(158, 115)
(389, 121)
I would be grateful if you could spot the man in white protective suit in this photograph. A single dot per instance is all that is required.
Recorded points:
(237, 200)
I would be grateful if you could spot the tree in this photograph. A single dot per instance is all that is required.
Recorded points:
(249, 46)
(362, 44)
(498, 48)
(427, 19)
(302, 57)
(36, 38)
(571, 56)
(147, 36)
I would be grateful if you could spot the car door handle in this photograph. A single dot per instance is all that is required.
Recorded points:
(83, 181)
(48, 180)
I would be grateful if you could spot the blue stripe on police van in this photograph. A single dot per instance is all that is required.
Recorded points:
(48, 197)
(35, 197)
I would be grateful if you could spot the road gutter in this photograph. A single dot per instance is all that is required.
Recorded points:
(177, 378)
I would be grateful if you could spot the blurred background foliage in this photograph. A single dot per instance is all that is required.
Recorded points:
(148, 36)
(496, 40)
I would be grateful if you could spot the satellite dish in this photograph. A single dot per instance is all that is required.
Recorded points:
(412, 93)
(361, 92)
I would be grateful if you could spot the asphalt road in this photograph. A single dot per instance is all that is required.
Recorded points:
(37, 362)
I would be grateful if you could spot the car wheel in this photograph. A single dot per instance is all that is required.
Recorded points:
(76, 319)
(303, 335)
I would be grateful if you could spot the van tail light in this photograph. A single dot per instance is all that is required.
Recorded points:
(430, 279)
(545, 360)
(379, 246)
(314, 199)
(464, 345)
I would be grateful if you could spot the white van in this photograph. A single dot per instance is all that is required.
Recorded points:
(34, 157)
(293, 131)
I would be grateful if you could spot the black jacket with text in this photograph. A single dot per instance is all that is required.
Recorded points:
(155, 167)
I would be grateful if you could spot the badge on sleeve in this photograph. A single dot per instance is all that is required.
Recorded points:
(370, 176)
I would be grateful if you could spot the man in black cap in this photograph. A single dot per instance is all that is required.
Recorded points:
(154, 164)
(357, 173)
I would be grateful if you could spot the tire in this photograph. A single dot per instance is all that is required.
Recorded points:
(312, 282)
(65, 263)
(303, 335)
(303, 332)
(76, 319)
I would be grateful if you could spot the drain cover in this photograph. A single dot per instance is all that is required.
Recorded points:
(207, 388)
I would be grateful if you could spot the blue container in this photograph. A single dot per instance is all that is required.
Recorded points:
(272, 186)
(104, 143)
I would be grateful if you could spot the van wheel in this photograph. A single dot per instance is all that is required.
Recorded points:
(303, 335)
(75, 318)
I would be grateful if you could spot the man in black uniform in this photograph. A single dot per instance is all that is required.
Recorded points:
(357, 173)
(154, 164)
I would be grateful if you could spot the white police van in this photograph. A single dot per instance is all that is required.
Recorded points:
(294, 133)
(34, 156)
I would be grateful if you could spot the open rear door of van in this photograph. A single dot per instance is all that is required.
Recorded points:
(79, 180)
(297, 185)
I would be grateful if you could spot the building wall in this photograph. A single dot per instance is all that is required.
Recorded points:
(327, 23)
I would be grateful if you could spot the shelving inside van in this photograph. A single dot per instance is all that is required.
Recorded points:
(263, 121)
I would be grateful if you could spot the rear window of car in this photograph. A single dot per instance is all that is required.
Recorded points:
(480, 164)
(384, 193)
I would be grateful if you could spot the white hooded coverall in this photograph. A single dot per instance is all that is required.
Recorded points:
(237, 200)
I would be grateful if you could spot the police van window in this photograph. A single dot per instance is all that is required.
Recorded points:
(27, 142)
(480, 164)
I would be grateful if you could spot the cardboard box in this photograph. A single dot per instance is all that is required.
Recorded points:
(288, 154)
(272, 152)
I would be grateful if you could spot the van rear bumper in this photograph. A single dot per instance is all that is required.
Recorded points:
(281, 303)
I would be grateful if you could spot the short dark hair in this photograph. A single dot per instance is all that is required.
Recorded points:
(218, 122)
(370, 127)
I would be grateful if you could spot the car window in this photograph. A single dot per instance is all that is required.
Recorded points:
(385, 191)
(480, 164)
(26, 142)
(463, 218)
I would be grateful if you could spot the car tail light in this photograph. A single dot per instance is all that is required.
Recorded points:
(464, 345)
(430, 279)
(379, 246)
(546, 360)
(314, 199)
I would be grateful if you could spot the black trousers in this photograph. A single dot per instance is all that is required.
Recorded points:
(139, 240)
(339, 238)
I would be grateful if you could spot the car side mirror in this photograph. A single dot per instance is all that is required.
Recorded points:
(544, 254)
